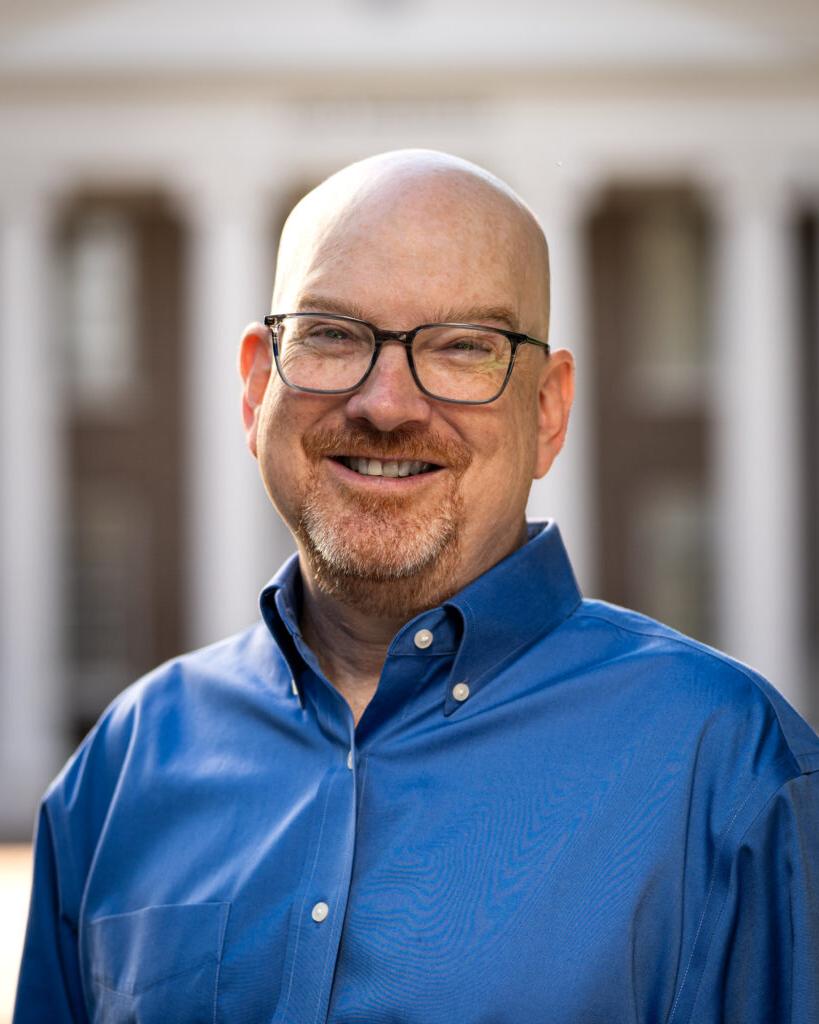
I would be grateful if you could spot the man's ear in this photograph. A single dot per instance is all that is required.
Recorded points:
(255, 365)
(555, 397)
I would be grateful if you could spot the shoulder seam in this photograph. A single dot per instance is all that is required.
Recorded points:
(713, 655)
(675, 637)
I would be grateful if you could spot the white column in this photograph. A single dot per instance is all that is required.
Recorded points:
(756, 456)
(567, 492)
(32, 468)
(234, 537)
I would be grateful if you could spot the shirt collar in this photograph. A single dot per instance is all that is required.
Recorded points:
(513, 604)
(279, 602)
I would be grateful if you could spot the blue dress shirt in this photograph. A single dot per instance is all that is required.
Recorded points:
(553, 811)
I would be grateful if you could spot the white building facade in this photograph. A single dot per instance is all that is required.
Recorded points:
(138, 132)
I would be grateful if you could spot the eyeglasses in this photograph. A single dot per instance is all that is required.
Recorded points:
(334, 354)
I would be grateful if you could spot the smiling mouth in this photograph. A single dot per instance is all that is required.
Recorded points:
(385, 467)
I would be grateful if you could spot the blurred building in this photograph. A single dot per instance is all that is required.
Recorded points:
(149, 154)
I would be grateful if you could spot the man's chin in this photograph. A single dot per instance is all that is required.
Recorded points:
(400, 598)
(396, 569)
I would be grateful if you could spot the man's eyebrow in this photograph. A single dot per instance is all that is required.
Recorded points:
(480, 314)
(451, 315)
(324, 304)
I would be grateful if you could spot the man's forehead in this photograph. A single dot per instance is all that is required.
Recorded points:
(374, 283)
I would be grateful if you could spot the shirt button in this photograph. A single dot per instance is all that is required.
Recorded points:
(422, 639)
(320, 911)
(460, 691)
(350, 760)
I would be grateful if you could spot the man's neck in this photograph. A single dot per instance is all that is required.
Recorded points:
(350, 644)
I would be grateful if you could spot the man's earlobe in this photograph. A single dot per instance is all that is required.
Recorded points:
(255, 366)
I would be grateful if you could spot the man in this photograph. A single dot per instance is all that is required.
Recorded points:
(433, 784)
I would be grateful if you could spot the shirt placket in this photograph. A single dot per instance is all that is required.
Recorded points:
(316, 926)
(320, 898)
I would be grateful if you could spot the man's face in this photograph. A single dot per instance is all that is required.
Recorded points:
(396, 544)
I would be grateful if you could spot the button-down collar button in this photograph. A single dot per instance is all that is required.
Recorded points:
(460, 691)
(422, 639)
(320, 911)
(350, 760)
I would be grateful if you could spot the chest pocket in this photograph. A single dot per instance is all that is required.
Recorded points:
(157, 965)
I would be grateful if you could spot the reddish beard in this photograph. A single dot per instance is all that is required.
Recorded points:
(381, 553)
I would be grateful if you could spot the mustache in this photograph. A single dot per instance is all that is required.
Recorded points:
(421, 446)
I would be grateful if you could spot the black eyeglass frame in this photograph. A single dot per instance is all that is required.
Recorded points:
(405, 338)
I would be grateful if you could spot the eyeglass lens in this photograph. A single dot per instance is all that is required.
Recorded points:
(455, 363)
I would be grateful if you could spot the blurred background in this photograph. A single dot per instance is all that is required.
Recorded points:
(149, 152)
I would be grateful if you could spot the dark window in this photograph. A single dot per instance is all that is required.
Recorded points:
(649, 250)
(121, 269)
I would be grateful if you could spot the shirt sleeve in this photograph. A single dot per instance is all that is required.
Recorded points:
(763, 964)
(49, 987)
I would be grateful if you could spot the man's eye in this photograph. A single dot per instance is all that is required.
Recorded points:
(329, 334)
(468, 345)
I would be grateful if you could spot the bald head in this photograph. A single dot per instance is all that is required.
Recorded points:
(422, 212)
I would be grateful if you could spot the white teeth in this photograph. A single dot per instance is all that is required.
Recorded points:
(386, 467)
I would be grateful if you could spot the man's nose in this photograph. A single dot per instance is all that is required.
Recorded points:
(389, 397)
